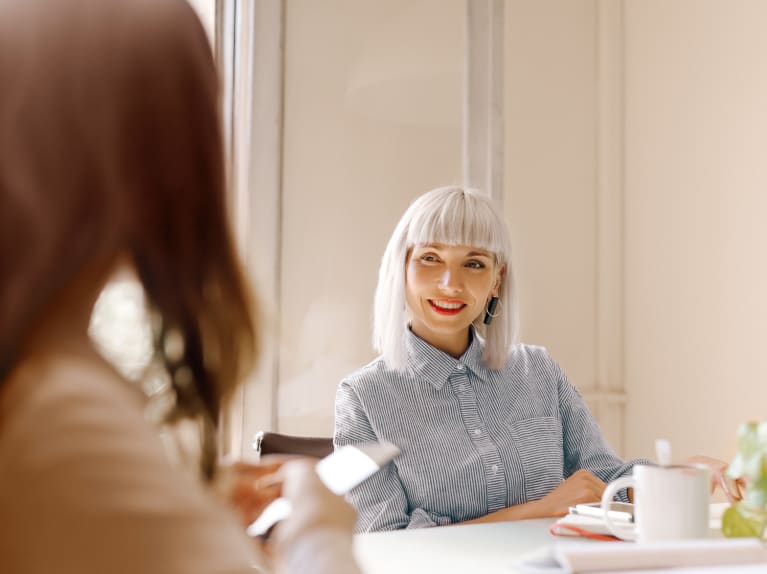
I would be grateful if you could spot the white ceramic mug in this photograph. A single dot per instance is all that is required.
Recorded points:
(670, 503)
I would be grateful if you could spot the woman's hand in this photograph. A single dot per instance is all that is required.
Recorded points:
(731, 488)
(249, 488)
(580, 487)
(315, 508)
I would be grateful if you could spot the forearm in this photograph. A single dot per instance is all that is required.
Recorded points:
(581, 487)
(534, 509)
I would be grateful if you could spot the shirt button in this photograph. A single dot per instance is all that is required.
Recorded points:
(494, 468)
(459, 366)
(477, 432)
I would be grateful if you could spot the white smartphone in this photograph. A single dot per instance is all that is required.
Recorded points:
(340, 471)
(619, 511)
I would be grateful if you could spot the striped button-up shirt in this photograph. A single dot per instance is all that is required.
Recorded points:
(473, 440)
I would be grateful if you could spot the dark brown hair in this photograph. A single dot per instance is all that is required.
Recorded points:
(110, 144)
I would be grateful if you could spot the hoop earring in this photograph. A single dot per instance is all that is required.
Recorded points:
(491, 305)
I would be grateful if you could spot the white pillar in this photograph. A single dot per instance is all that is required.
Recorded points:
(250, 46)
(483, 98)
(610, 397)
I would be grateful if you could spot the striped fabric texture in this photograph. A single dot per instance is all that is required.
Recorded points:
(473, 440)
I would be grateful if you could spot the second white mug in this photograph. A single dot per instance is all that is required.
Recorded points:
(670, 503)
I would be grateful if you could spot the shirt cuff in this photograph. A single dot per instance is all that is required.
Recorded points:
(422, 519)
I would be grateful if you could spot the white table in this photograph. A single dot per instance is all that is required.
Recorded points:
(468, 549)
(478, 548)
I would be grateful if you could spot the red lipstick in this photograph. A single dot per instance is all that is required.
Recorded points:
(447, 306)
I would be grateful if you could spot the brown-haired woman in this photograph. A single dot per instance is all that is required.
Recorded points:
(111, 157)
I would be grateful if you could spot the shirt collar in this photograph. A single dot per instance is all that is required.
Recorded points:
(436, 366)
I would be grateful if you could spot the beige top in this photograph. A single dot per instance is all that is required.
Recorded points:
(86, 487)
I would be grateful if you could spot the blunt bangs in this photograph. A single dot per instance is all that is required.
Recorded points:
(458, 216)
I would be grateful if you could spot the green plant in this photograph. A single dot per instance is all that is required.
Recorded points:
(749, 516)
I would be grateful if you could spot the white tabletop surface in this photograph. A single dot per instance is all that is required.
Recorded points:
(479, 548)
(469, 548)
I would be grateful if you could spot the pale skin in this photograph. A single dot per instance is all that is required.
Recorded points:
(251, 487)
(315, 508)
(460, 277)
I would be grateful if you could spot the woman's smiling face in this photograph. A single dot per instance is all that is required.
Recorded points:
(447, 288)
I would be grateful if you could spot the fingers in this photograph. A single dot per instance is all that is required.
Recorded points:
(301, 480)
(249, 488)
(265, 467)
(250, 502)
(269, 471)
(314, 506)
(580, 487)
(587, 486)
(731, 488)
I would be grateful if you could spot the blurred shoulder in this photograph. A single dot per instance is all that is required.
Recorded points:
(77, 448)
(65, 404)
(71, 382)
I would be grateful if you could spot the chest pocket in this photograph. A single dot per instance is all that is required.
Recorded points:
(539, 444)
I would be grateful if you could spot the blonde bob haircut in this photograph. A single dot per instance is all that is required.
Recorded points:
(453, 216)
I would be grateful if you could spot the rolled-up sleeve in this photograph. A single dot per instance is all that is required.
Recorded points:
(381, 500)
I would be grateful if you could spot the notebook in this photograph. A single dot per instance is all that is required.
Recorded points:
(585, 521)
(732, 555)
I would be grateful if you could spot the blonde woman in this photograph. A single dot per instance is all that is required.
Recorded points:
(490, 430)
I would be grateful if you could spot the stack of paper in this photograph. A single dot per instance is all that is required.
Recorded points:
(576, 525)
(589, 525)
(627, 556)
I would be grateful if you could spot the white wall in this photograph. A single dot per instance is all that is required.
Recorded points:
(372, 120)
(692, 81)
(696, 278)
(564, 190)
(550, 169)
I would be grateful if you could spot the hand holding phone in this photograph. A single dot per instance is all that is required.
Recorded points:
(340, 471)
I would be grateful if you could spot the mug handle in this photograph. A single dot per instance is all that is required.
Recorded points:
(621, 531)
